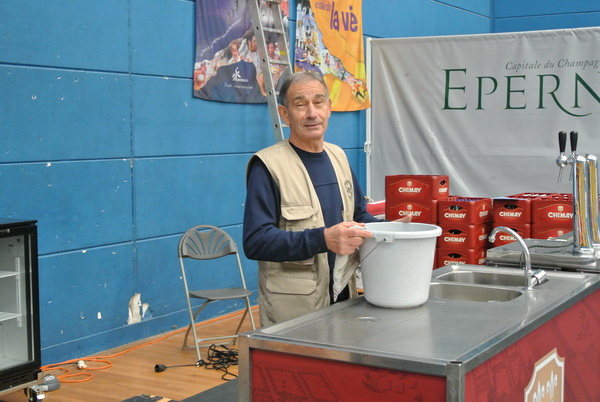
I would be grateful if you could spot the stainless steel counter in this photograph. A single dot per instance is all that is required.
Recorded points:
(432, 337)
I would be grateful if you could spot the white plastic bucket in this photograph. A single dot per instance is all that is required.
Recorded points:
(397, 262)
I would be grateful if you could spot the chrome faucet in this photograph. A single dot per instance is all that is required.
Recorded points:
(533, 278)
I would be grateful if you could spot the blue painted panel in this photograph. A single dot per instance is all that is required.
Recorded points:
(50, 114)
(361, 169)
(65, 33)
(77, 204)
(482, 7)
(343, 129)
(162, 37)
(167, 120)
(547, 22)
(84, 293)
(418, 18)
(517, 8)
(173, 194)
(158, 275)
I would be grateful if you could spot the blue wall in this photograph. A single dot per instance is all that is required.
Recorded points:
(531, 15)
(103, 144)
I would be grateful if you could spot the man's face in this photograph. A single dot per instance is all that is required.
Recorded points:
(307, 112)
(252, 44)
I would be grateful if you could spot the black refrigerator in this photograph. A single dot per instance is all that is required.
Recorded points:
(19, 305)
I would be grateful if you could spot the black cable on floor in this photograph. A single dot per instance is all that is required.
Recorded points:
(221, 360)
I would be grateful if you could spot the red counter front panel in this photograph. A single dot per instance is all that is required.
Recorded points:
(575, 334)
(286, 377)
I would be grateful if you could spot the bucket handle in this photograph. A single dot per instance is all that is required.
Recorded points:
(379, 237)
(387, 237)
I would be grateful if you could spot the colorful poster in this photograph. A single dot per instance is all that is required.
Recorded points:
(329, 40)
(227, 65)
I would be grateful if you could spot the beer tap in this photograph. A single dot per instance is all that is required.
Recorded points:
(586, 210)
(572, 159)
(562, 159)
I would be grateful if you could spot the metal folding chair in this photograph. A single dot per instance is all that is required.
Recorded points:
(205, 242)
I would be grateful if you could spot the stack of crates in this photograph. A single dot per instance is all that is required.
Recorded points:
(533, 215)
(414, 195)
(417, 196)
(466, 224)
(551, 216)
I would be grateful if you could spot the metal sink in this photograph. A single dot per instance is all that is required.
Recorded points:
(472, 293)
(485, 278)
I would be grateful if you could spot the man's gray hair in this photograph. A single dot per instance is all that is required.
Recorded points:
(298, 77)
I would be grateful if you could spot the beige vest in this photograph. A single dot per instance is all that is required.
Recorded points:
(291, 289)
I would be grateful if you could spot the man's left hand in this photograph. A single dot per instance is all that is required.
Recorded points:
(344, 238)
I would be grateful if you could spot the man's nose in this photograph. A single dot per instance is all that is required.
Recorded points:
(311, 111)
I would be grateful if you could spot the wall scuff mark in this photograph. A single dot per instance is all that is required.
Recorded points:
(138, 311)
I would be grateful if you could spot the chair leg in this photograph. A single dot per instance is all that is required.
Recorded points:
(249, 307)
(185, 339)
(237, 331)
(247, 312)
(192, 327)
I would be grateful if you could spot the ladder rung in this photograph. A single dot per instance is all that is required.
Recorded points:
(280, 62)
(274, 30)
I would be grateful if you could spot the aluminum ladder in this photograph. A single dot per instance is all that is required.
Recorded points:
(268, 27)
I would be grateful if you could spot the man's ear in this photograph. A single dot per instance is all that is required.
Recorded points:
(283, 112)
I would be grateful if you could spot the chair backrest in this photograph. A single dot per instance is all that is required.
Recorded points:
(205, 242)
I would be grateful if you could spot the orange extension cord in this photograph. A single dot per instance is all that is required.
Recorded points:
(103, 359)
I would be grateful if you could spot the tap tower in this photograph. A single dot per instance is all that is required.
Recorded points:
(584, 173)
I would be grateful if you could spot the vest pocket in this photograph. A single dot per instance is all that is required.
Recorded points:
(298, 217)
(295, 278)
(291, 286)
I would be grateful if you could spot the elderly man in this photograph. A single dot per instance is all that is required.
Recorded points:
(303, 206)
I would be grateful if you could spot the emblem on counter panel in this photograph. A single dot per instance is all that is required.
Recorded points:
(547, 380)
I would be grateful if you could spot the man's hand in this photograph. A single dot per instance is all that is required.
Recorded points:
(344, 238)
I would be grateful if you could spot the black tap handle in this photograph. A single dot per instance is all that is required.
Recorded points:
(562, 141)
(573, 141)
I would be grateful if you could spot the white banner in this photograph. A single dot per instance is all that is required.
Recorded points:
(483, 109)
